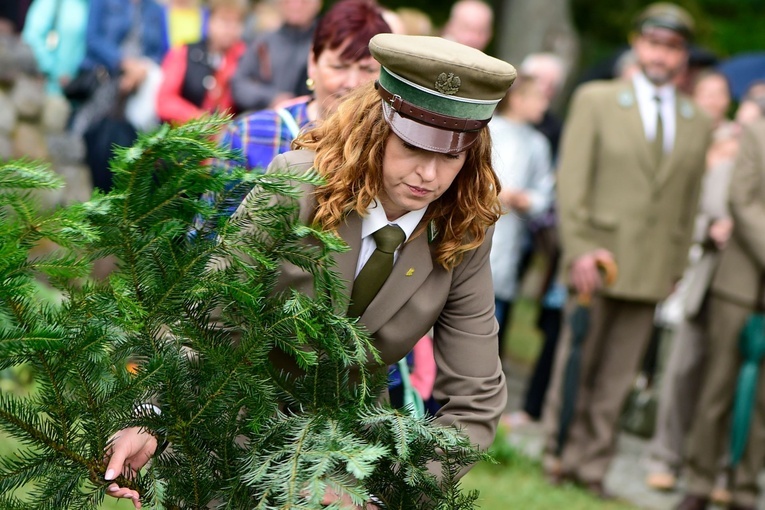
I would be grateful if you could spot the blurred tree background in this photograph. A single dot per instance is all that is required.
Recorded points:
(724, 27)
(598, 28)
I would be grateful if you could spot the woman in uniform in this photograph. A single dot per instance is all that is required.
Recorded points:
(410, 188)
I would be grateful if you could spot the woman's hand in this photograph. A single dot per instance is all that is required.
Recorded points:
(129, 450)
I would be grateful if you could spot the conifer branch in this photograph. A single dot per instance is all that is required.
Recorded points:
(215, 383)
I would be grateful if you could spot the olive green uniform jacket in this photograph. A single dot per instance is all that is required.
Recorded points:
(613, 196)
(419, 294)
(742, 263)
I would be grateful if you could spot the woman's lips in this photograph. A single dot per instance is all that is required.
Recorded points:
(420, 192)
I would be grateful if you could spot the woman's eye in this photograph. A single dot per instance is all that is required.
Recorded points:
(410, 147)
(453, 156)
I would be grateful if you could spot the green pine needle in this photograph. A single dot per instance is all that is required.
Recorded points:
(190, 319)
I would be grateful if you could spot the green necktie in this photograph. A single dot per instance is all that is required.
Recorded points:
(658, 142)
(377, 269)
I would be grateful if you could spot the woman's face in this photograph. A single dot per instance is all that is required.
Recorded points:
(414, 177)
(299, 13)
(748, 111)
(712, 96)
(224, 28)
(334, 77)
(530, 104)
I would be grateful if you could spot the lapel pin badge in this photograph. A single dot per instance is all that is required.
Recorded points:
(410, 272)
(626, 99)
(686, 110)
(432, 231)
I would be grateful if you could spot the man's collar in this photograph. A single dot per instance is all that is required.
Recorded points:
(643, 86)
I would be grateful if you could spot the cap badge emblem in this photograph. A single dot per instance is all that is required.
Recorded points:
(448, 83)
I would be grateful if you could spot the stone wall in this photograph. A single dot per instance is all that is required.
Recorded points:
(33, 124)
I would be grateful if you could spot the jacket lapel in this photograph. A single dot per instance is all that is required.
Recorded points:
(412, 267)
(634, 129)
(350, 232)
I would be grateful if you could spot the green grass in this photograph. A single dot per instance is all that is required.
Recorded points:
(524, 488)
(523, 341)
(518, 483)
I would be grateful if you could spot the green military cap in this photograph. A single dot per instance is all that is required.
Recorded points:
(437, 94)
(668, 16)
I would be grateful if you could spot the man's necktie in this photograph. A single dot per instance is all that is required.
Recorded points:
(658, 141)
(377, 269)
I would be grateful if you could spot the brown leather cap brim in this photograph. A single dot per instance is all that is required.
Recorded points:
(664, 35)
(428, 137)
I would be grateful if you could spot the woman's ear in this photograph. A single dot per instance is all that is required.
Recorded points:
(311, 67)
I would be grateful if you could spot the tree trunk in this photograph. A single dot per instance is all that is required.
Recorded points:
(533, 26)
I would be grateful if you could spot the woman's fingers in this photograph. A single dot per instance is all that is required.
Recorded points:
(116, 491)
(128, 451)
(117, 457)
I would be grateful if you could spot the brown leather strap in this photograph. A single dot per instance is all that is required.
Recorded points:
(438, 120)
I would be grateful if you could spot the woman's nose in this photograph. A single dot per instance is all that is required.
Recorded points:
(428, 168)
(352, 78)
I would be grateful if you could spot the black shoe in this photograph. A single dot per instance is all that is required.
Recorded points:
(596, 488)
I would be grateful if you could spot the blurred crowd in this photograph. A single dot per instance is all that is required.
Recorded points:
(643, 163)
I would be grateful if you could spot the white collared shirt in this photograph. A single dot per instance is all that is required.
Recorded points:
(645, 92)
(374, 221)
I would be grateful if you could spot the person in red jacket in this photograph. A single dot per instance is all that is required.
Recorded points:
(196, 76)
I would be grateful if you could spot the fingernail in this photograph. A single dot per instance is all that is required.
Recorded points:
(113, 488)
(109, 474)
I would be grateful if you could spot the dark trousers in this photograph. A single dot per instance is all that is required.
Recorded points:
(503, 311)
(549, 323)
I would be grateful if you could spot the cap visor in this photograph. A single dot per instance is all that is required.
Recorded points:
(665, 32)
(428, 137)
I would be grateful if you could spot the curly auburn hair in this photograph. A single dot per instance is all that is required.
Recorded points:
(349, 148)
